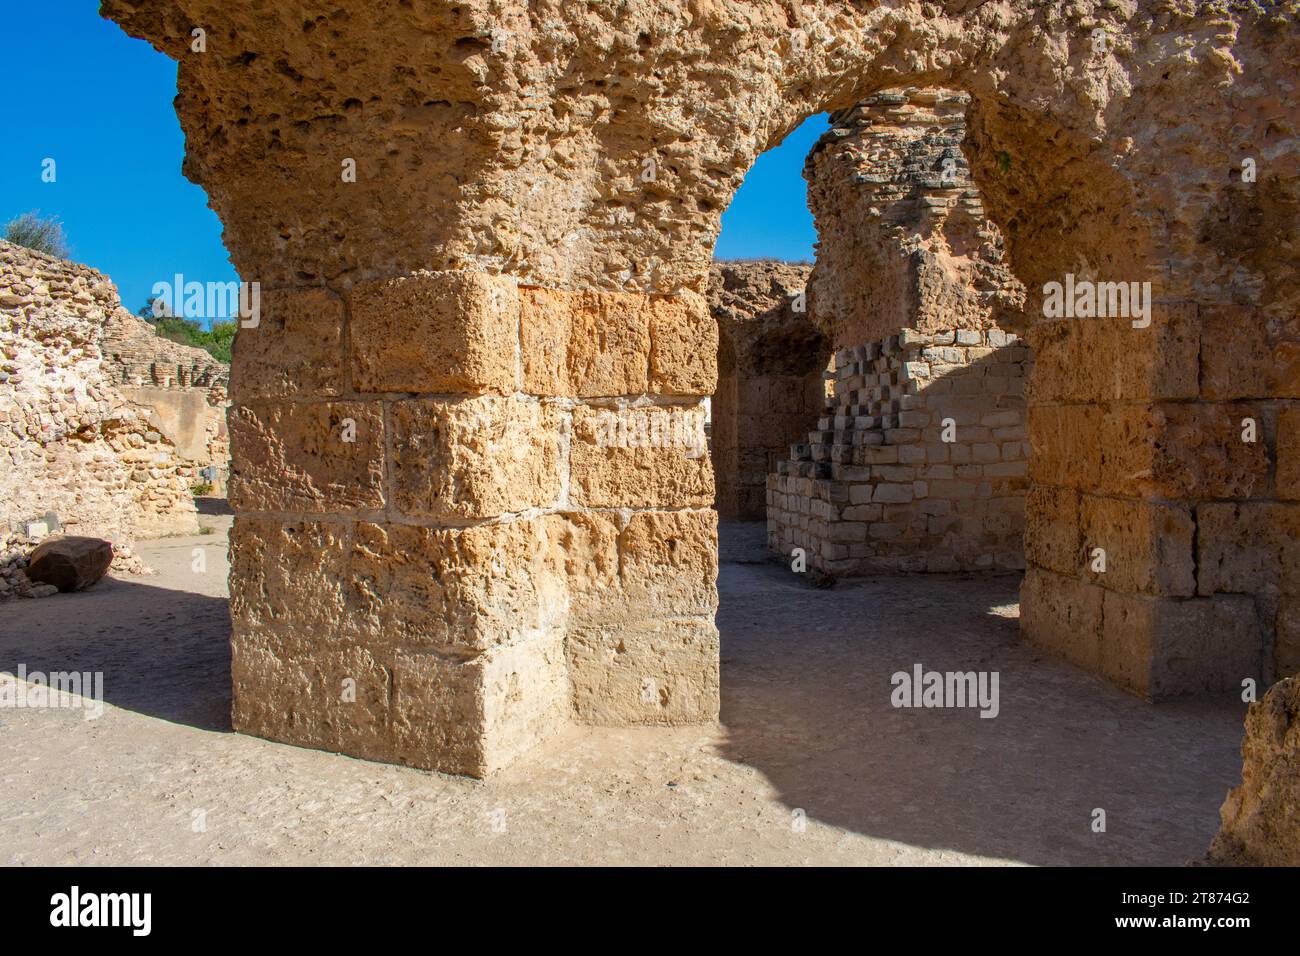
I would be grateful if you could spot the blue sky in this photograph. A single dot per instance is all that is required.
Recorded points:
(105, 117)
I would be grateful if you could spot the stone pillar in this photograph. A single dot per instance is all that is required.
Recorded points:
(461, 518)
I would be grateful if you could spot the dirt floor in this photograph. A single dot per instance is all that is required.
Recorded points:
(811, 763)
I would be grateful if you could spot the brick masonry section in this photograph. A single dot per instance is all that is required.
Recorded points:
(918, 464)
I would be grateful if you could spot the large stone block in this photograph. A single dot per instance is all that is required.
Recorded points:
(1099, 360)
(607, 471)
(647, 672)
(1147, 451)
(453, 589)
(475, 716)
(668, 563)
(1062, 615)
(475, 457)
(584, 344)
(334, 698)
(297, 456)
(1052, 536)
(683, 345)
(1148, 545)
(288, 584)
(435, 332)
(1254, 548)
(1244, 356)
(1162, 648)
(295, 350)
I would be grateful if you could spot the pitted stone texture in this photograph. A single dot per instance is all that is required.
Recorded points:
(603, 189)
(1254, 548)
(1156, 647)
(1163, 450)
(1100, 360)
(609, 472)
(334, 646)
(475, 457)
(1261, 816)
(602, 344)
(296, 456)
(462, 590)
(435, 332)
(650, 672)
(295, 350)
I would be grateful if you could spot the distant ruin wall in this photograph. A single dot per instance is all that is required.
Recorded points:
(919, 461)
(771, 387)
(71, 442)
(182, 388)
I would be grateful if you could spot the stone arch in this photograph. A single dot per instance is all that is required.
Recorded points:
(510, 288)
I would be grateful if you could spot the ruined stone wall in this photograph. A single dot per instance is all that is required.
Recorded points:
(919, 460)
(183, 390)
(585, 149)
(71, 443)
(771, 365)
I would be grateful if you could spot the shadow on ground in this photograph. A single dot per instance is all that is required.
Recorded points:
(806, 700)
(164, 651)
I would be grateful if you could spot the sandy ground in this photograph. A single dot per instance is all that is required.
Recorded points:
(807, 736)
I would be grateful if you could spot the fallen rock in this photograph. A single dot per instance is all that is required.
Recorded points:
(70, 563)
(1261, 817)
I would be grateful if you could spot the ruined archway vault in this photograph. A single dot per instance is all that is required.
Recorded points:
(538, 188)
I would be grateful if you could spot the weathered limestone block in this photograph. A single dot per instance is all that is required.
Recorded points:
(1148, 546)
(474, 457)
(1053, 539)
(437, 648)
(297, 456)
(1161, 648)
(1100, 360)
(435, 332)
(70, 562)
(304, 698)
(1254, 548)
(289, 579)
(1175, 451)
(683, 345)
(1247, 355)
(647, 672)
(452, 589)
(295, 350)
(1063, 614)
(478, 716)
(584, 344)
(1261, 816)
(643, 471)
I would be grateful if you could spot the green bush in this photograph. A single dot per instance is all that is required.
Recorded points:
(38, 234)
(216, 341)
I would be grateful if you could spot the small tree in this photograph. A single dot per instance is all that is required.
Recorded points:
(38, 234)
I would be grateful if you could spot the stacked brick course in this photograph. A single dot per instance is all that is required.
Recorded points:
(919, 463)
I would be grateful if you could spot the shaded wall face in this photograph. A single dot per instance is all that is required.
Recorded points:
(771, 382)
(593, 149)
